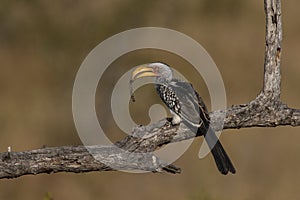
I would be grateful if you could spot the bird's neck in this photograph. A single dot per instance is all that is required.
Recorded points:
(162, 80)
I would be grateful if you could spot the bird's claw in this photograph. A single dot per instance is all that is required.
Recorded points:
(169, 123)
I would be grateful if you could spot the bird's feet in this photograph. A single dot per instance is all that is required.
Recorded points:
(170, 122)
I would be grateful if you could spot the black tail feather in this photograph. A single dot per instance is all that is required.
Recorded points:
(221, 158)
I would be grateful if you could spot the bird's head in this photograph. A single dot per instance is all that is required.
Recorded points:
(160, 71)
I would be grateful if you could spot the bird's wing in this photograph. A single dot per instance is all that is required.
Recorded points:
(193, 109)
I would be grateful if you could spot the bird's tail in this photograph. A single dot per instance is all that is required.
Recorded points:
(221, 158)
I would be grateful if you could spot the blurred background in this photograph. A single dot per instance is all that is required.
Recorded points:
(43, 43)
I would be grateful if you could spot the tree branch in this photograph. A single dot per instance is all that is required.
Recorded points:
(272, 76)
(77, 159)
(266, 110)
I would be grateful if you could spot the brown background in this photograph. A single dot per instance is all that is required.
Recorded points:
(42, 44)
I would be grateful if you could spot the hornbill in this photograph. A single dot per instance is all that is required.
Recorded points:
(186, 106)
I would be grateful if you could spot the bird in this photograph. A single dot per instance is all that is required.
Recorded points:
(186, 106)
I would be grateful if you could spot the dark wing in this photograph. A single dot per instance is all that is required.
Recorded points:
(188, 104)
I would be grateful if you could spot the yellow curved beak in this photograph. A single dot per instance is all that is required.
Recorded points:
(143, 71)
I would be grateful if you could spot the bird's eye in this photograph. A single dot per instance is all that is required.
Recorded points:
(156, 70)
